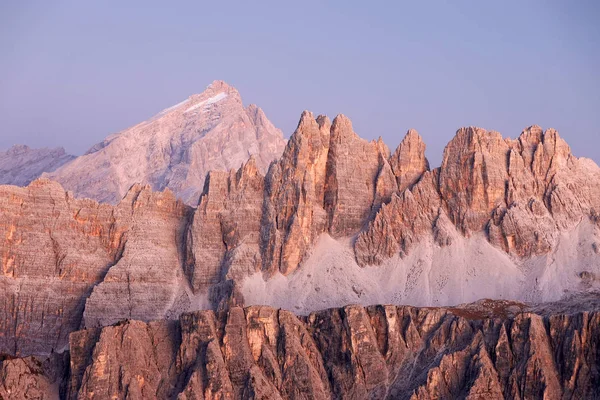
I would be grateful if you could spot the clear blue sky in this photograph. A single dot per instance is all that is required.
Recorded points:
(72, 72)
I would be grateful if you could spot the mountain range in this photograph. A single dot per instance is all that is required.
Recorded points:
(333, 220)
(21, 164)
(174, 149)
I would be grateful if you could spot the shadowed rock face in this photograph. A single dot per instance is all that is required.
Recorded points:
(57, 251)
(34, 378)
(69, 264)
(176, 148)
(377, 352)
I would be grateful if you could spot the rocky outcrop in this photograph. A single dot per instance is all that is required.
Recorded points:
(34, 378)
(328, 180)
(223, 241)
(408, 161)
(490, 349)
(294, 213)
(147, 282)
(521, 193)
(353, 172)
(57, 251)
(176, 148)
(20, 164)
(515, 218)
(54, 249)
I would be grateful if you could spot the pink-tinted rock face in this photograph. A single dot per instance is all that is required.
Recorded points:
(522, 193)
(352, 170)
(224, 237)
(54, 249)
(176, 148)
(487, 350)
(68, 264)
(294, 213)
(408, 161)
(147, 280)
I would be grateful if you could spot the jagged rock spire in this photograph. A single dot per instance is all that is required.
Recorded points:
(408, 161)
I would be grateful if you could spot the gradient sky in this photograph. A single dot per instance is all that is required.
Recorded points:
(73, 72)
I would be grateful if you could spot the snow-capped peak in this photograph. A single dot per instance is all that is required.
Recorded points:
(211, 100)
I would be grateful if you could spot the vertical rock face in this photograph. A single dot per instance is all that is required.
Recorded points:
(223, 239)
(526, 205)
(521, 193)
(399, 224)
(473, 177)
(54, 249)
(295, 190)
(354, 352)
(20, 165)
(141, 355)
(68, 263)
(176, 148)
(352, 170)
(34, 378)
(146, 281)
(408, 161)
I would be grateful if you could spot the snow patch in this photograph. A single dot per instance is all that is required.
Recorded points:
(210, 100)
(167, 110)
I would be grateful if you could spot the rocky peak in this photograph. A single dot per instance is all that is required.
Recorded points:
(220, 86)
(308, 144)
(353, 166)
(249, 170)
(473, 176)
(553, 156)
(216, 92)
(296, 190)
(176, 148)
(408, 161)
(341, 129)
(529, 139)
(21, 164)
(330, 204)
(18, 149)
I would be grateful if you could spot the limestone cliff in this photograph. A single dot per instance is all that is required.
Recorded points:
(494, 350)
(336, 220)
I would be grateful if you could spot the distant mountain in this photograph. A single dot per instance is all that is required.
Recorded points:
(20, 164)
(176, 148)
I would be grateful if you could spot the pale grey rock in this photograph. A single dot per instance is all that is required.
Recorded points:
(21, 164)
(176, 148)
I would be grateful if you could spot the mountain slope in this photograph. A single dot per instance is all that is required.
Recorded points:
(176, 148)
(20, 164)
(336, 220)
